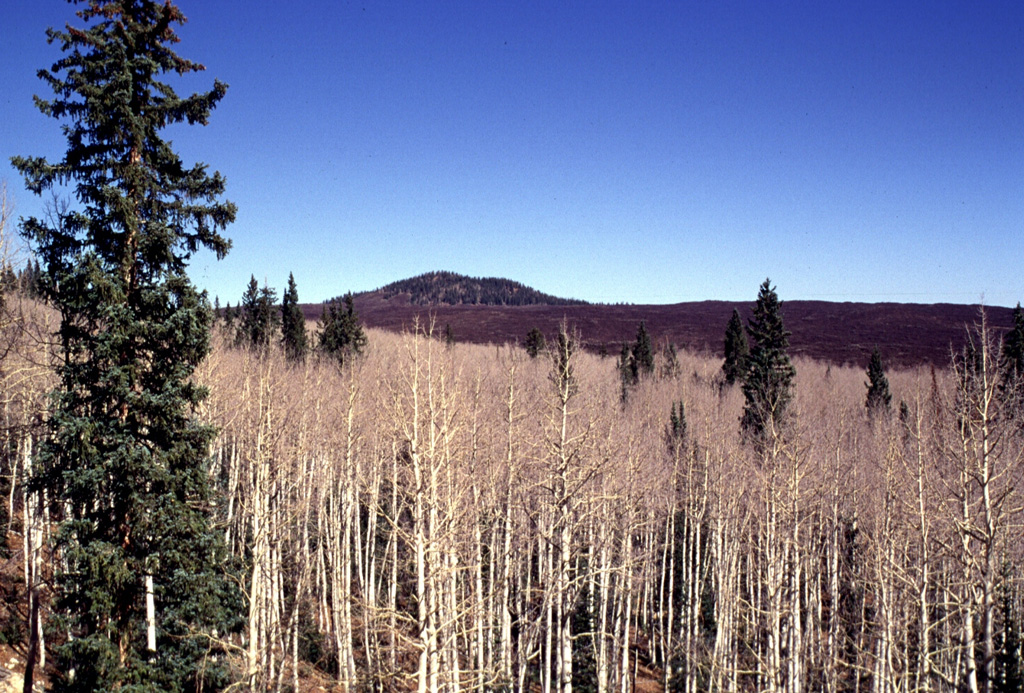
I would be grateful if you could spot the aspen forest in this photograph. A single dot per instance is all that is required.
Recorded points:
(444, 517)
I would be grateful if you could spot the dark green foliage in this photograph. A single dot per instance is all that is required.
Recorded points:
(449, 288)
(737, 350)
(126, 460)
(293, 323)
(768, 386)
(258, 316)
(670, 367)
(535, 342)
(879, 399)
(449, 336)
(636, 361)
(340, 335)
(675, 431)
(584, 654)
(1012, 366)
(229, 319)
(643, 352)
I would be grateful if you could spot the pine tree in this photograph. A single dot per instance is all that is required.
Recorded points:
(627, 371)
(879, 399)
(636, 360)
(643, 352)
(341, 335)
(293, 323)
(670, 366)
(258, 316)
(535, 342)
(1012, 366)
(737, 351)
(768, 386)
(126, 460)
(675, 431)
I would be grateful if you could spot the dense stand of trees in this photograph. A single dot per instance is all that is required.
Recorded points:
(449, 288)
(470, 518)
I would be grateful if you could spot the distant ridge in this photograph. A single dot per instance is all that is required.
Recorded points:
(452, 289)
(499, 311)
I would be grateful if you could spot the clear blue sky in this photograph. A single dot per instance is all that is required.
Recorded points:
(637, 152)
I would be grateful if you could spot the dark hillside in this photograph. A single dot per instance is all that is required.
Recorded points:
(449, 288)
(500, 310)
(906, 334)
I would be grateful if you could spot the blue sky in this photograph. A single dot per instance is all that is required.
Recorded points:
(636, 152)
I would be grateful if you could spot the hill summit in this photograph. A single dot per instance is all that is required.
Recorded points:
(452, 289)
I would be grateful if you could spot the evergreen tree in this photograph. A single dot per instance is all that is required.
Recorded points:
(675, 431)
(737, 351)
(670, 369)
(229, 319)
(1012, 366)
(126, 460)
(879, 399)
(636, 360)
(258, 316)
(768, 385)
(643, 352)
(293, 323)
(341, 335)
(449, 336)
(535, 342)
(627, 371)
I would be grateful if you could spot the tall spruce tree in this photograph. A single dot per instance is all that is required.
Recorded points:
(737, 350)
(535, 342)
(258, 316)
(126, 461)
(643, 352)
(1012, 366)
(636, 360)
(341, 335)
(879, 399)
(768, 386)
(293, 323)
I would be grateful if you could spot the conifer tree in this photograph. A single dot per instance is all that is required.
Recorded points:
(675, 431)
(768, 386)
(737, 350)
(643, 352)
(341, 335)
(293, 323)
(535, 342)
(636, 360)
(1012, 366)
(259, 316)
(627, 371)
(126, 460)
(670, 367)
(879, 399)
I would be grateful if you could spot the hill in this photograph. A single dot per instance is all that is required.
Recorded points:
(906, 334)
(451, 289)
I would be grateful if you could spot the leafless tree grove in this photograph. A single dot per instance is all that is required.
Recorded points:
(438, 517)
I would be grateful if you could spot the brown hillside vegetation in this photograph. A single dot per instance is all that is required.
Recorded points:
(906, 334)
